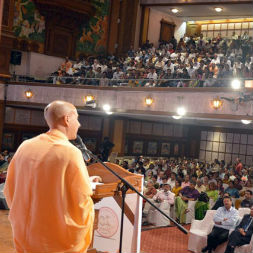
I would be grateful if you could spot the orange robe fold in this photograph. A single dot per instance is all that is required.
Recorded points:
(49, 195)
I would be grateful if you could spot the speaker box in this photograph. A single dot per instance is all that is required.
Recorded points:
(16, 57)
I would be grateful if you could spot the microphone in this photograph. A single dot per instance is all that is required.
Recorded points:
(78, 142)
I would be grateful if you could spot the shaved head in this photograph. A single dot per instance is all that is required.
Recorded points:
(56, 110)
(61, 115)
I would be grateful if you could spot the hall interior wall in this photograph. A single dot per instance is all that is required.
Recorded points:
(154, 26)
(23, 123)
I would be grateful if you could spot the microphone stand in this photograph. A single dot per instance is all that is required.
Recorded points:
(124, 188)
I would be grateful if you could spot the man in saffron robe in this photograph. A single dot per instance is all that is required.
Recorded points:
(48, 189)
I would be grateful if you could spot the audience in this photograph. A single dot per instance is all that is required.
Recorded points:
(202, 182)
(172, 64)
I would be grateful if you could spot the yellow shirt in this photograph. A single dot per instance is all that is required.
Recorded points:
(48, 192)
(176, 190)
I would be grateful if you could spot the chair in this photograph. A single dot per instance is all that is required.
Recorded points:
(3, 204)
(247, 248)
(191, 214)
(242, 211)
(159, 219)
(199, 231)
(211, 203)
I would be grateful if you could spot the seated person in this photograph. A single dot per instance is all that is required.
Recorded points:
(233, 192)
(149, 192)
(200, 187)
(224, 219)
(242, 234)
(186, 181)
(181, 202)
(172, 180)
(212, 192)
(248, 201)
(202, 205)
(219, 202)
(163, 199)
(177, 188)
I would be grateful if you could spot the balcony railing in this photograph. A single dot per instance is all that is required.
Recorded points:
(105, 82)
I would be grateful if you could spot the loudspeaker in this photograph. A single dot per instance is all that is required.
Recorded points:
(16, 57)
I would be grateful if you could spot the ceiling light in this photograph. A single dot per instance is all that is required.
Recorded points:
(174, 10)
(218, 9)
(28, 93)
(236, 84)
(109, 113)
(181, 111)
(246, 122)
(149, 101)
(107, 108)
(176, 117)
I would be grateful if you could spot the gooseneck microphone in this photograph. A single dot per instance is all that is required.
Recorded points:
(78, 142)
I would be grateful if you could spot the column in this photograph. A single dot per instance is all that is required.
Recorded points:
(6, 36)
(119, 137)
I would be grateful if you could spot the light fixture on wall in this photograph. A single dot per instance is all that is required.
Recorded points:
(174, 10)
(246, 122)
(149, 101)
(218, 9)
(176, 117)
(216, 103)
(181, 111)
(28, 94)
(107, 109)
(89, 98)
(90, 101)
(236, 84)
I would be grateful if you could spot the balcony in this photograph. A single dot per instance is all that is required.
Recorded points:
(125, 100)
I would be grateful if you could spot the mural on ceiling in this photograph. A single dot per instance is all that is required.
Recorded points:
(94, 34)
(28, 23)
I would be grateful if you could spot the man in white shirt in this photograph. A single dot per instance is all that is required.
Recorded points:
(163, 199)
(224, 219)
(172, 180)
(118, 74)
(152, 74)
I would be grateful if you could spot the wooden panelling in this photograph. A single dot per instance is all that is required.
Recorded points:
(226, 146)
(114, 26)
(167, 30)
(118, 137)
(1, 122)
(144, 24)
(22, 123)
(63, 24)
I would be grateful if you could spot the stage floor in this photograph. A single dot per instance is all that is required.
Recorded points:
(169, 240)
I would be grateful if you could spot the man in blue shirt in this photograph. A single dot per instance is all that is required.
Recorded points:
(224, 220)
(233, 192)
(242, 234)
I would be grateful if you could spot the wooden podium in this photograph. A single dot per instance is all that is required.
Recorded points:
(110, 188)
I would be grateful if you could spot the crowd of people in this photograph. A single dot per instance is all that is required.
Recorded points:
(5, 158)
(177, 182)
(189, 62)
